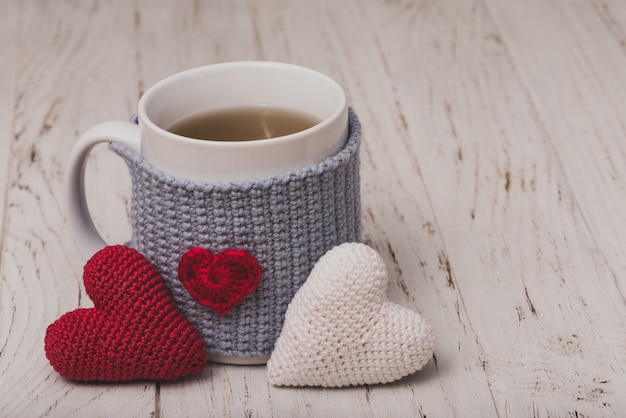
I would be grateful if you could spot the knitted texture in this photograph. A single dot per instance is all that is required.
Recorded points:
(286, 223)
(135, 331)
(219, 281)
(341, 330)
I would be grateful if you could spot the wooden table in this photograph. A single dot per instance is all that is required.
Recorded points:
(493, 185)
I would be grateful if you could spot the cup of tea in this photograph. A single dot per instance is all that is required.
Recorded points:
(254, 156)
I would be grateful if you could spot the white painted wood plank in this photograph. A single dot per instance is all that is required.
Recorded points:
(8, 34)
(514, 248)
(576, 81)
(68, 75)
(570, 56)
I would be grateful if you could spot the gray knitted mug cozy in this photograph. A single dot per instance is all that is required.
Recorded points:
(287, 222)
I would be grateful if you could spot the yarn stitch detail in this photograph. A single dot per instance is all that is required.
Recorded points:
(286, 222)
(135, 331)
(219, 281)
(341, 330)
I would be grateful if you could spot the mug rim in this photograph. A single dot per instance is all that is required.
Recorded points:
(148, 123)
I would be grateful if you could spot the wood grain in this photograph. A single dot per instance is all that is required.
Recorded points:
(8, 32)
(493, 185)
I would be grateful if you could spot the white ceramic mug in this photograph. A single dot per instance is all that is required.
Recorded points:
(213, 88)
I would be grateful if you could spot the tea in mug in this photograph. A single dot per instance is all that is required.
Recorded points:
(243, 124)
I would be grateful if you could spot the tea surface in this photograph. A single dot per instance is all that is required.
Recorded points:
(243, 124)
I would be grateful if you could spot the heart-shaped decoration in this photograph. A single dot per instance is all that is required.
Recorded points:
(135, 331)
(219, 281)
(341, 329)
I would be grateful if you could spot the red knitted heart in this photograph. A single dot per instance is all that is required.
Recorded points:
(135, 331)
(219, 281)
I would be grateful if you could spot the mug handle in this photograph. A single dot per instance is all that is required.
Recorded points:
(84, 232)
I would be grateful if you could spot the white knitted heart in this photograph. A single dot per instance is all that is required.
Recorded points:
(341, 329)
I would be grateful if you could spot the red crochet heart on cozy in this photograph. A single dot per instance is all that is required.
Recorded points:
(219, 281)
(134, 332)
